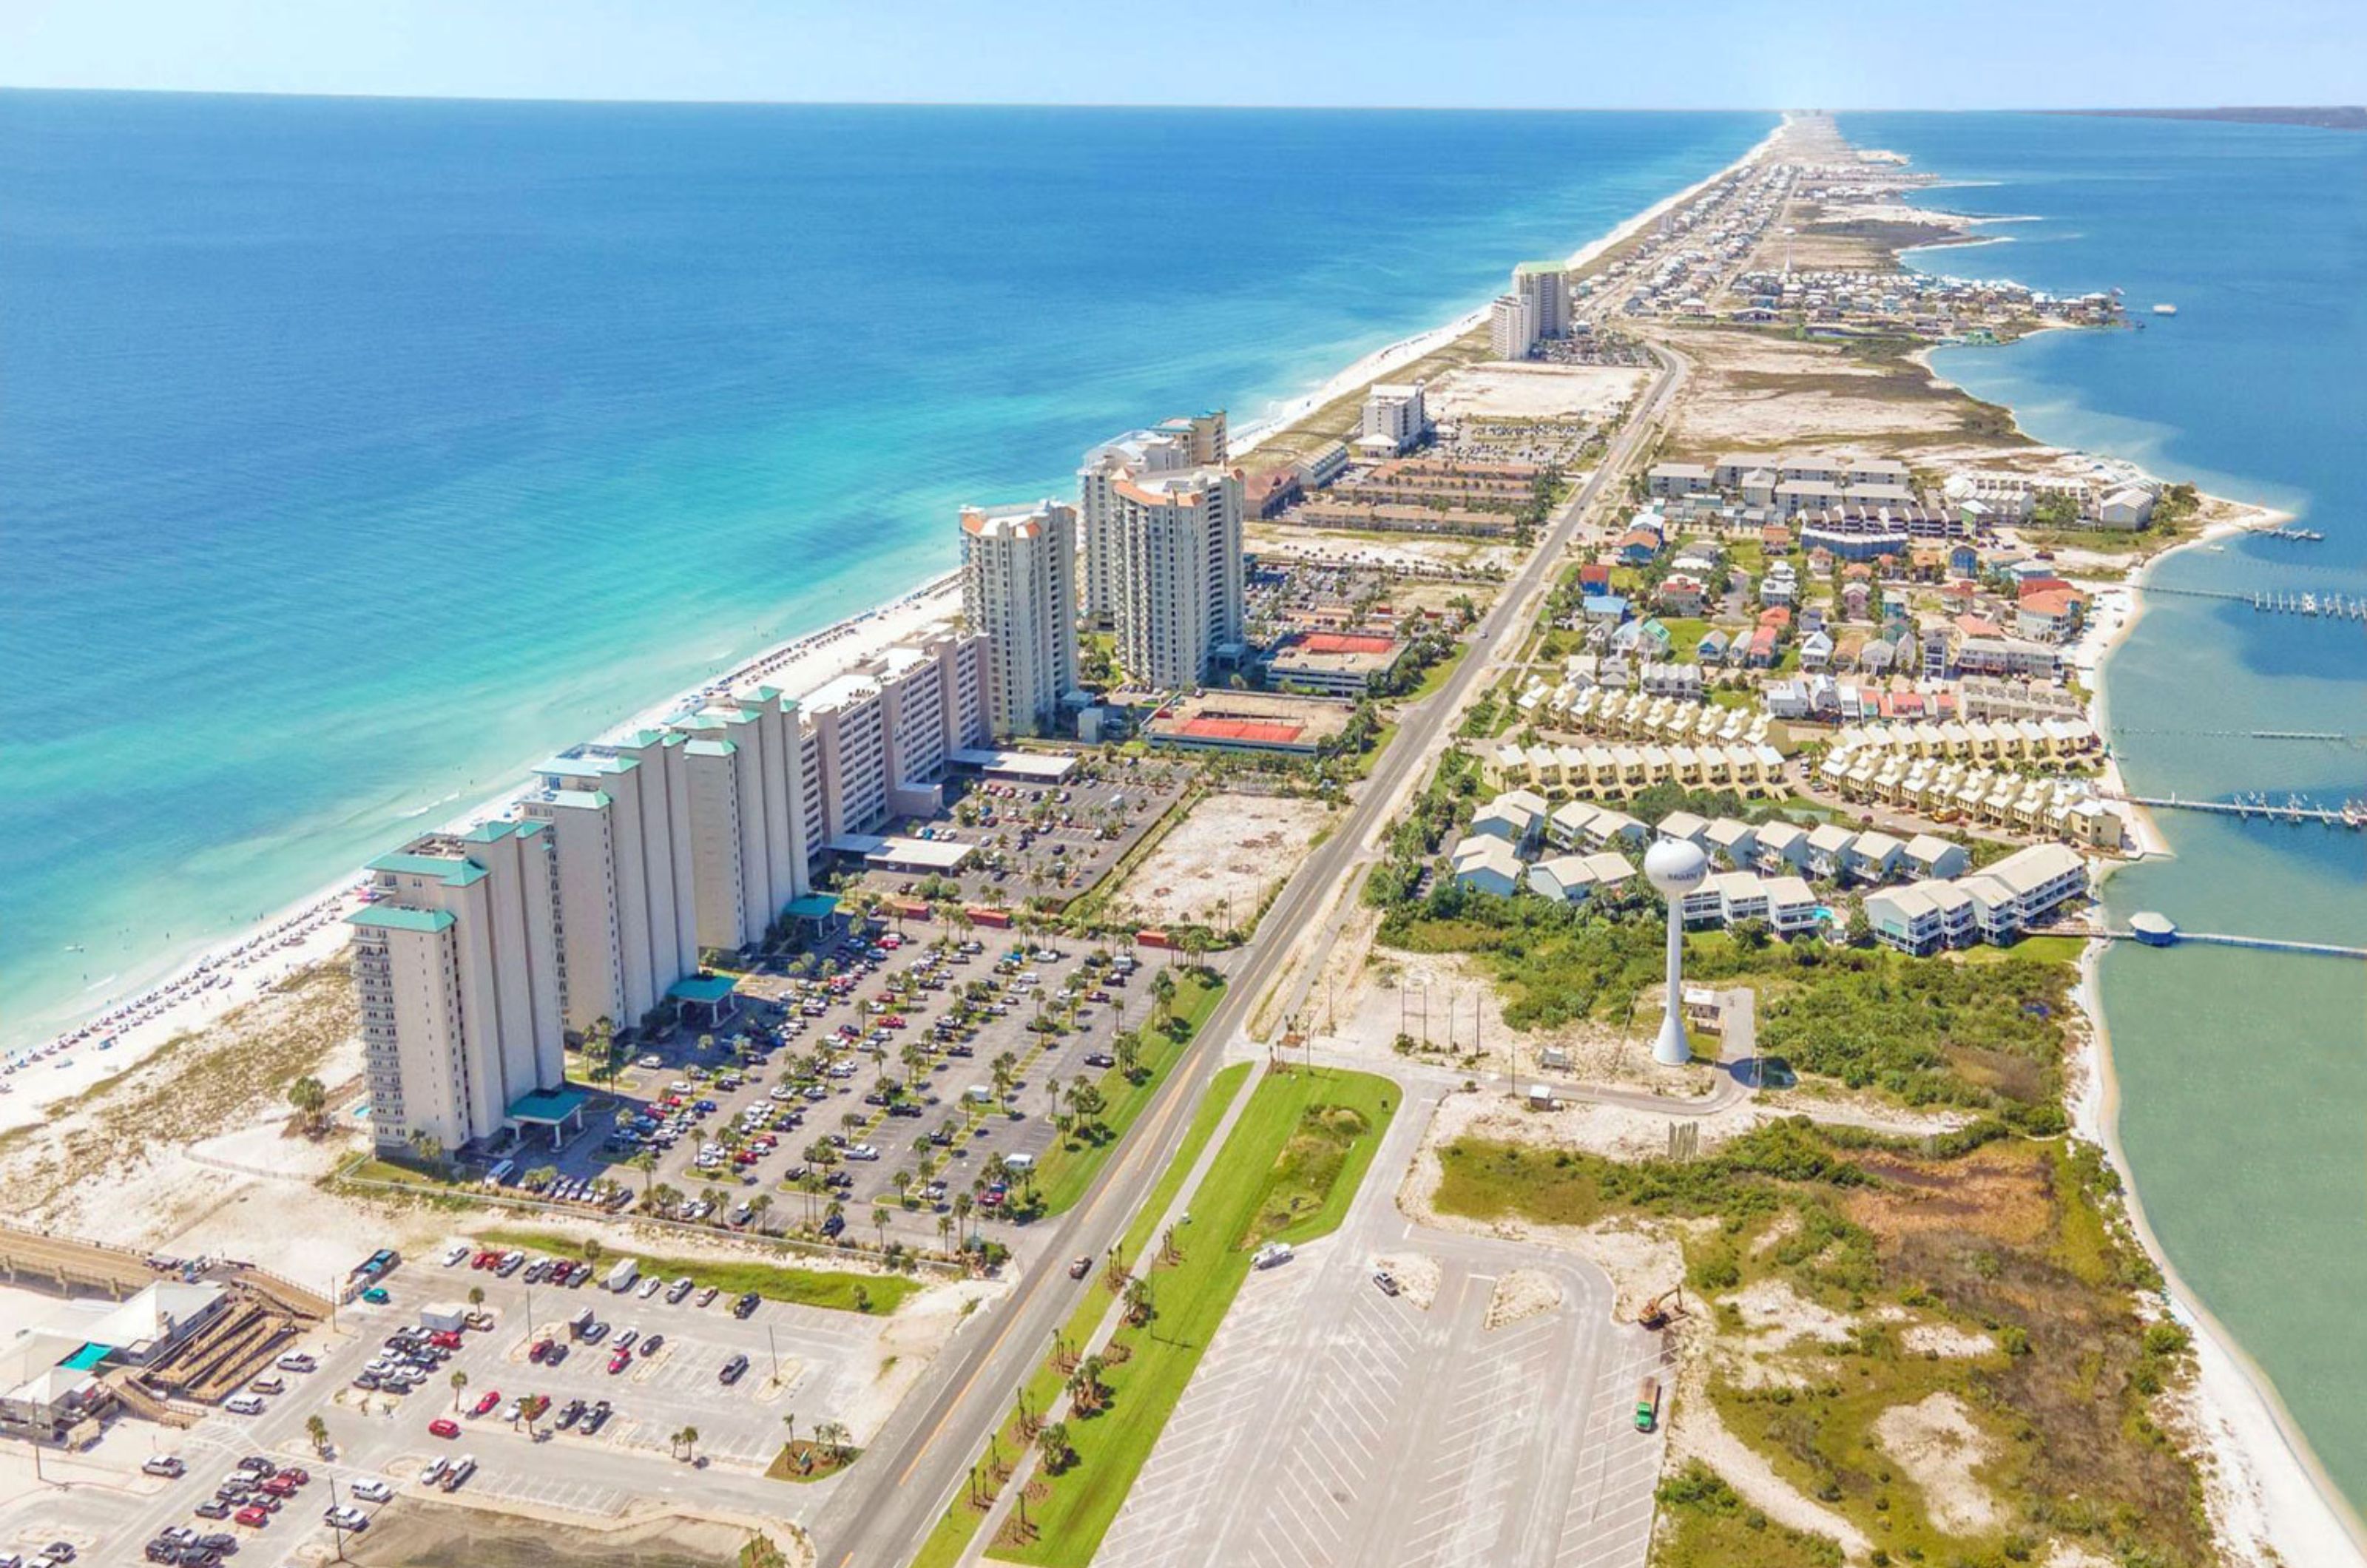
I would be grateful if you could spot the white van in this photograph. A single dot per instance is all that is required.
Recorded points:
(1018, 1165)
(979, 1093)
(243, 1405)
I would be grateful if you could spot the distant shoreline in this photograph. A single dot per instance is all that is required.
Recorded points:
(2342, 116)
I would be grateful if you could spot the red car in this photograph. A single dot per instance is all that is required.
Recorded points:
(492, 1397)
(252, 1517)
(296, 1475)
(540, 1351)
(278, 1486)
(445, 1339)
(443, 1427)
(620, 1361)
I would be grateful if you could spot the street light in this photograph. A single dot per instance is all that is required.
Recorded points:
(1675, 868)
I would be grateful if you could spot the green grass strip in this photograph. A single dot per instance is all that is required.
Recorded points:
(802, 1287)
(1064, 1173)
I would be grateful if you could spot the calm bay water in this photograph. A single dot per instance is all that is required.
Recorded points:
(2243, 1075)
(359, 453)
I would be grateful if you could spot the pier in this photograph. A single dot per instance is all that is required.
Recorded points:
(2281, 601)
(2158, 931)
(2352, 814)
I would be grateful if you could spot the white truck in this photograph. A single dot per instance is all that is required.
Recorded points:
(1271, 1254)
(621, 1277)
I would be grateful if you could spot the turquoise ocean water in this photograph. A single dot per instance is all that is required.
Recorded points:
(2243, 1075)
(357, 453)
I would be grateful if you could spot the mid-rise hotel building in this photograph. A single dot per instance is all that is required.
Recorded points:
(1199, 441)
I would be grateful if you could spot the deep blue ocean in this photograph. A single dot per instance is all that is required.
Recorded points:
(357, 453)
(2243, 1075)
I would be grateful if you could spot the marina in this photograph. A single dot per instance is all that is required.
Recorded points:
(2281, 601)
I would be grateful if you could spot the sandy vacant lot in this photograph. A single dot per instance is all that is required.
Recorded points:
(1395, 552)
(1217, 865)
(1507, 390)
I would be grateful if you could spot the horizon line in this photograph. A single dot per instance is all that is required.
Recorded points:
(661, 102)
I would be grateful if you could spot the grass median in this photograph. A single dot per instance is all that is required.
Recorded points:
(945, 1543)
(1288, 1173)
(832, 1288)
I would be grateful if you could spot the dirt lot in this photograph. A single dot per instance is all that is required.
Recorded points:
(1533, 391)
(427, 1535)
(1216, 866)
(1753, 390)
(1398, 552)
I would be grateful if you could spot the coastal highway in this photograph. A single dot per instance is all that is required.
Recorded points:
(888, 1504)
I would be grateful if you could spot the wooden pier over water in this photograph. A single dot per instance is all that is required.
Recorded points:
(2279, 601)
(2352, 814)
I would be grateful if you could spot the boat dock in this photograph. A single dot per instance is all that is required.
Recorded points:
(2279, 601)
(2351, 814)
(2150, 929)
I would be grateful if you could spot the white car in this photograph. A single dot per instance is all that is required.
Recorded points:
(862, 1151)
(457, 1256)
(243, 1405)
(652, 1286)
(509, 1411)
(346, 1518)
(372, 1490)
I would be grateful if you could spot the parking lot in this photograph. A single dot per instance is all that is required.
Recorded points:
(888, 1055)
(814, 1363)
(1332, 1423)
(1047, 840)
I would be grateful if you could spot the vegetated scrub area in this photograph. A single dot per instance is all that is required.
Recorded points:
(1982, 1030)
(835, 1289)
(1939, 1341)
(951, 1534)
(1287, 1173)
(1067, 1166)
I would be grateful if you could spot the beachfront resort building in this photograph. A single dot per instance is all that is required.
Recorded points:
(1196, 442)
(456, 969)
(1181, 584)
(1537, 309)
(1019, 589)
(884, 731)
(750, 838)
(1394, 418)
(620, 820)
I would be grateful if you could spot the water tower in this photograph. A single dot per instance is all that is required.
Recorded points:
(1675, 866)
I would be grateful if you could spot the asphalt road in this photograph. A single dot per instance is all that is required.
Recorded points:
(891, 1501)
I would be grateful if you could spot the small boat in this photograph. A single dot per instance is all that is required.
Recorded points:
(2165, 310)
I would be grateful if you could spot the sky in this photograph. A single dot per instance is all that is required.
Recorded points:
(1471, 54)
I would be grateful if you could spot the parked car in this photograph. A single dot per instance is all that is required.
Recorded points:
(491, 1398)
(251, 1517)
(443, 1427)
(370, 1489)
(733, 1369)
(163, 1464)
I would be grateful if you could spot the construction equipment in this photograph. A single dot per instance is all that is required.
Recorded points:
(1664, 1308)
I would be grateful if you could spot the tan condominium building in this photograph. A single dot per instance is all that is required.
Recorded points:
(1019, 589)
(456, 969)
(1180, 575)
(750, 837)
(1196, 441)
(619, 817)
(883, 732)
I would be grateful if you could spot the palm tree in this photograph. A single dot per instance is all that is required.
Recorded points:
(459, 1381)
(310, 1096)
(1163, 994)
(835, 1437)
(945, 1230)
(645, 1162)
(758, 1207)
(1138, 1307)
(1053, 1438)
(318, 1430)
(687, 1441)
(880, 1224)
(963, 1204)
